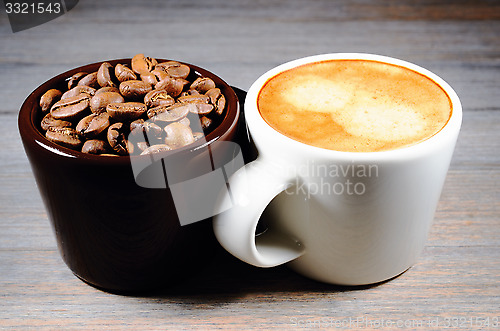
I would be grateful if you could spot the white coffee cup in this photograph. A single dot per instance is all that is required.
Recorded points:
(366, 235)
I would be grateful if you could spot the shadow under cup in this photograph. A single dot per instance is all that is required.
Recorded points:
(111, 232)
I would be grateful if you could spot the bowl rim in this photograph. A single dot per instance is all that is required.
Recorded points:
(33, 137)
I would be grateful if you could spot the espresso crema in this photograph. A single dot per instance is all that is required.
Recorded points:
(354, 105)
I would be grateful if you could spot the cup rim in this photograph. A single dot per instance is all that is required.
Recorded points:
(258, 126)
(32, 136)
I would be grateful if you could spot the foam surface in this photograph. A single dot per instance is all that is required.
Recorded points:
(354, 105)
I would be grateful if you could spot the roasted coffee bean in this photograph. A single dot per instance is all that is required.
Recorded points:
(90, 80)
(78, 90)
(173, 86)
(157, 98)
(178, 70)
(142, 64)
(178, 135)
(201, 108)
(145, 132)
(49, 121)
(104, 75)
(159, 73)
(194, 98)
(203, 84)
(200, 101)
(134, 89)
(107, 89)
(70, 108)
(124, 73)
(174, 69)
(64, 136)
(117, 139)
(217, 99)
(164, 65)
(156, 149)
(190, 92)
(185, 121)
(126, 111)
(149, 128)
(149, 78)
(205, 122)
(100, 100)
(73, 81)
(213, 94)
(171, 113)
(92, 125)
(95, 146)
(142, 145)
(49, 98)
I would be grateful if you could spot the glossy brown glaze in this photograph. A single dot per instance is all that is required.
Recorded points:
(111, 232)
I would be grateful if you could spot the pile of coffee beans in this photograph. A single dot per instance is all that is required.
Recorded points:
(142, 109)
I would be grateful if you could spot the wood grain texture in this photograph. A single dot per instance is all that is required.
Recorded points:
(458, 274)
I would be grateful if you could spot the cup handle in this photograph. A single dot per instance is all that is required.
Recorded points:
(251, 189)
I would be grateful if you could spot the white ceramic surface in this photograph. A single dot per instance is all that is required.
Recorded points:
(337, 226)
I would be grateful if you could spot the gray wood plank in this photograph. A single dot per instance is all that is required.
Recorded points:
(51, 297)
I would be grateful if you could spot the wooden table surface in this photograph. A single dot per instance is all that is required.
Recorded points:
(456, 282)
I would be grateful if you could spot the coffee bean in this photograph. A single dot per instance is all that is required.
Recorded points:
(64, 136)
(142, 146)
(90, 80)
(194, 98)
(104, 75)
(164, 65)
(178, 135)
(134, 89)
(159, 73)
(142, 64)
(145, 133)
(205, 122)
(173, 86)
(185, 121)
(156, 149)
(117, 139)
(78, 90)
(149, 78)
(73, 81)
(217, 99)
(201, 108)
(49, 98)
(178, 70)
(203, 84)
(190, 92)
(100, 100)
(124, 73)
(49, 121)
(108, 89)
(95, 146)
(149, 128)
(92, 125)
(171, 113)
(126, 111)
(70, 108)
(157, 98)
(199, 101)
(174, 69)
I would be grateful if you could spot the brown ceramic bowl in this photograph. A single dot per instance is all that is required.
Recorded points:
(113, 233)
